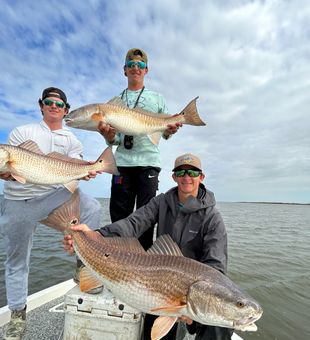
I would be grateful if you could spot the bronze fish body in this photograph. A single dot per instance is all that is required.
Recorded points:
(130, 121)
(170, 285)
(28, 164)
(160, 281)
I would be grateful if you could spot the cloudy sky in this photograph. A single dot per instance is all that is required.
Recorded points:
(248, 61)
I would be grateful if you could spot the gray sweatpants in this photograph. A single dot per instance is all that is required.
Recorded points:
(18, 221)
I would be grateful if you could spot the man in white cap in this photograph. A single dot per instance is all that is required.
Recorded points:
(188, 214)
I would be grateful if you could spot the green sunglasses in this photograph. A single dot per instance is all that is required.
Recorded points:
(190, 172)
(50, 102)
(141, 64)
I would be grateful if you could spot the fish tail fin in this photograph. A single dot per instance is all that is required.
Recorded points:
(191, 115)
(66, 215)
(106, 162)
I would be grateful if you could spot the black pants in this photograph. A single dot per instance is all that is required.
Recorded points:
(214, 333)
(135, 185)
(204, 332)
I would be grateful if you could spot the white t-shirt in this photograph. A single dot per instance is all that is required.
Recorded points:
(62, 141)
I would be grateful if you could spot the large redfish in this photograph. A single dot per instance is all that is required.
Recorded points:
(160, 281)
(130, 121)
(28, 164)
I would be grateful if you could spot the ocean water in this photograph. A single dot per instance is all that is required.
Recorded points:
(269, 257)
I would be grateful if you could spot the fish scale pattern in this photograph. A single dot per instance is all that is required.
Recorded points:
(42, 169)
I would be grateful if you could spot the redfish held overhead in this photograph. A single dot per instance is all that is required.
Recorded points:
(130, 121)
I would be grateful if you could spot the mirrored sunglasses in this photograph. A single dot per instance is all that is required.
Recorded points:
(140, 64)
(190, 172)
(50, 102)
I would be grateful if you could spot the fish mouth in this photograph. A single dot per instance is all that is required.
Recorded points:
(247, 324)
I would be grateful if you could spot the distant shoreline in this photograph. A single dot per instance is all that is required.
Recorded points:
(252, 202)
(288, 203)
(243, 202)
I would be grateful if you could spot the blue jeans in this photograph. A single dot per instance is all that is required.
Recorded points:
(18, 221)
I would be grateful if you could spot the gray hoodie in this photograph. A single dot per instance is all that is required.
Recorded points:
(197, 226)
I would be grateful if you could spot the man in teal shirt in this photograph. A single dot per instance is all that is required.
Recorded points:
(137, 158)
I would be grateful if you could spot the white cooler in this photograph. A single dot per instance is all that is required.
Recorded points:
(100, 316)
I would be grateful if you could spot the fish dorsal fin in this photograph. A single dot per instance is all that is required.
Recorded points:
(88, 280)
(118, 102)
(66, 215)
(165, 245)
(162, 326)
(30, 145)
(61, 157)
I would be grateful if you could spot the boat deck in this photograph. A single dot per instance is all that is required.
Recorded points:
(43, 324)
(44, 319)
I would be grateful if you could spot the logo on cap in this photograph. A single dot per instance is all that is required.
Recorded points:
(187, 159)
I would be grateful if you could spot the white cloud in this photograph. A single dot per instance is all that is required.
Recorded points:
(248, 61)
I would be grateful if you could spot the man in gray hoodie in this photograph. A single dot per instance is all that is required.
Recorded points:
(188, 214)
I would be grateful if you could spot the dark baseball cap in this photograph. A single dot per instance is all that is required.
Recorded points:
(55, 92)
(136, 53)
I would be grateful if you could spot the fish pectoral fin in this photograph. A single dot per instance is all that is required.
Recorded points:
(71, 186)
(88, 280)
(162, 326)
(170, 309)
(18, 178)
(97, 117)
(155, 137)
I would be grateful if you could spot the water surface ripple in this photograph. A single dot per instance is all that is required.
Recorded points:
(269, 257)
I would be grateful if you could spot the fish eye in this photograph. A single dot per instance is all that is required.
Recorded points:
(240, 304)
(74, 221)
